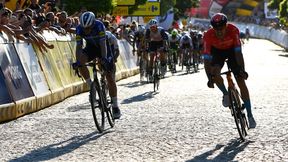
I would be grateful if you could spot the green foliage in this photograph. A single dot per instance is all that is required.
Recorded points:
(283, 9)
(183, 5)
(135, 7)
(274, 4)
(165, 5)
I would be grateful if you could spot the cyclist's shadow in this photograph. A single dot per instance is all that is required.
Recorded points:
(132, 84)
(139, 98)
(228, 154)
(58, 149)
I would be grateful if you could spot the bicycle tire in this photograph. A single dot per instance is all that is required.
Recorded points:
(99, 118)
(238, 118)
(107, 104)
(156, 76)
(141, 68)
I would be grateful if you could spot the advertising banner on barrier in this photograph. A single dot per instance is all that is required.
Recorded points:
(50, 69)
(32, 68)
(62, 68)
(15, 76)
(4, 94)
(67, 58)
(129, 59)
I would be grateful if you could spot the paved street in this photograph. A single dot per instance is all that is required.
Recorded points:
(184, 121)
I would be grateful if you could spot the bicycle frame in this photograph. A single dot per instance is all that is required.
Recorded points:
(236, 107)
(99, 87)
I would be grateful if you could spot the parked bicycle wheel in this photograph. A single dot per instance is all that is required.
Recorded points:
(97, 105)
(237, 113)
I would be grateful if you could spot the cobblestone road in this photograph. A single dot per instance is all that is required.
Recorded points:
(183, 122)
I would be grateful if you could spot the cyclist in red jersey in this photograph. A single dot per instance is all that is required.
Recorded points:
(222, 42)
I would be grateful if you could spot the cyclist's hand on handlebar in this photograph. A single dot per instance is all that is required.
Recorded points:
(107, 63)
(210, 82)
(243, 74)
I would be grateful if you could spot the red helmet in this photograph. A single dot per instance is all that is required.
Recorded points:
(218, 20)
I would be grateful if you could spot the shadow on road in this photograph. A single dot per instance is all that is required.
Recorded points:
(139, 98)
(283, 55)
(228, 154)
(79, 107)
(55, 150)
(132, 84)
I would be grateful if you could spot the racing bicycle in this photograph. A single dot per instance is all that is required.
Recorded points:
(236, 106)
(98, 96)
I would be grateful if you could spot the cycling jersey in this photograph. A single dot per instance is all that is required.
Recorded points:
(231, 39)
(173, 42)
(94, 37)
(187, 43)
(157, 36)
(175, 39)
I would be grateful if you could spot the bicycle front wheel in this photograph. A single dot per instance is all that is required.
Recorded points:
(237, 113)
(156, 76)
(107, 105)
(97, 105)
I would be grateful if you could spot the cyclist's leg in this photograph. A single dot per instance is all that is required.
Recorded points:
(87, 55)
(152, 52)
(217, 63)
(241, 84)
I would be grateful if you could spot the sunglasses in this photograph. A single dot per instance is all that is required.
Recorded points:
(153, 27)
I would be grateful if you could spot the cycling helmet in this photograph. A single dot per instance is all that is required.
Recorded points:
(141, 28)
(153, 22)
(185, 37)
(174, 32)
(87, 19)
(218, 20)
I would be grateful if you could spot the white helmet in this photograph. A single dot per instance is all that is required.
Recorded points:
(153, 22)
(87, 19)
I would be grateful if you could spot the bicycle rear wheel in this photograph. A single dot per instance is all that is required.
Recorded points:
(237, 113)
(97, 105)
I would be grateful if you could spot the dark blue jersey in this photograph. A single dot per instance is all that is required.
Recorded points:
(94, 37)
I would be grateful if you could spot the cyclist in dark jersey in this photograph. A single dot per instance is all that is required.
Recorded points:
(93, 32)
(220, 43)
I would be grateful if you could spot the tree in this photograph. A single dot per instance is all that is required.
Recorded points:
(283, 12)
(135, 7)
(182, 6)
(274, 4)
(165, 5)
(281, 6)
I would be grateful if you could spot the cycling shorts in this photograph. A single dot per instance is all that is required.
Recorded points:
(186, 45)
(93, 52)
(173, 45)
(154, 45)
(219, 57)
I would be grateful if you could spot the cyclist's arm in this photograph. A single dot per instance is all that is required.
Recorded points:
(206, 55)
(79, 45)
(238, 49)
(191, 43)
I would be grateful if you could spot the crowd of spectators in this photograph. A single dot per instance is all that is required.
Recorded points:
(27, 24)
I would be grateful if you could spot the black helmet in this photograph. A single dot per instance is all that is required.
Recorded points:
(218, 20)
